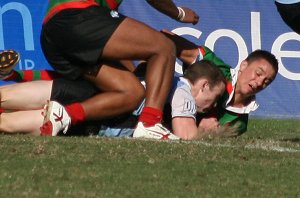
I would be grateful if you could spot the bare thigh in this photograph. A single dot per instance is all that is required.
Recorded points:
(136, 40)
(27, 122)
(25, 96)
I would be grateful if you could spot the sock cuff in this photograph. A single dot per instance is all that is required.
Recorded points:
(150, 116)
(152, 111)
(76, 112)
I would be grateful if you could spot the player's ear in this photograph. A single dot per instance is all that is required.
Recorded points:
(205, 84)
(243, 65)
(200, 84)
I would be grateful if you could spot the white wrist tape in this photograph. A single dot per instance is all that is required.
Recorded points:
(181, 14)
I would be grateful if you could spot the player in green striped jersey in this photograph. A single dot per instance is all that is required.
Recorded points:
(253, 75)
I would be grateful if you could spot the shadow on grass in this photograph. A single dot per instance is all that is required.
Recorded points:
(295, 140)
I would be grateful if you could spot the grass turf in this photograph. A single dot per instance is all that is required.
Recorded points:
(264, 162)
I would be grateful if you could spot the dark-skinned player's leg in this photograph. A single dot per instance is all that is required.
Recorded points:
(131, 40)
(135, 40)
(120, 92)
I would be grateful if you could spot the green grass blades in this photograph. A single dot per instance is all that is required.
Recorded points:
(264, 162)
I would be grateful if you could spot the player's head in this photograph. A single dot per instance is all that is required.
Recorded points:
(208, 83)
(257, 71)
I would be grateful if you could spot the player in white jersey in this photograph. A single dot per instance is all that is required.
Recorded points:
(195, 92)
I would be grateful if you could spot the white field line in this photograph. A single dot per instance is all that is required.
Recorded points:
(260, 146)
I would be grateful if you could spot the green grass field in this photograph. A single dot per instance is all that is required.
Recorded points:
(264, 162)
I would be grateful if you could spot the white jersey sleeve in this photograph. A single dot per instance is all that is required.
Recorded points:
(182, 102)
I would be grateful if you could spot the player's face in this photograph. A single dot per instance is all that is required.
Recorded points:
(207, 97)
(254, 77)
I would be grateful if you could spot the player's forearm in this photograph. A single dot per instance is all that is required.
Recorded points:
(186, 50)
(185, 128)
(188, 56)
(166, 7)
(181, 14)
(186, 134)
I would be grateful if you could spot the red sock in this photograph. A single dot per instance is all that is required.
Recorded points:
(150, 116)
(76, 112)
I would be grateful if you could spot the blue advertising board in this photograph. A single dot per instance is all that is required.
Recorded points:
(230, 28)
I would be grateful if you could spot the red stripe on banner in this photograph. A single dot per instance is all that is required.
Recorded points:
(63, 6)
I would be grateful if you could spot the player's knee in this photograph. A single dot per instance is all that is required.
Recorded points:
(167, 48)
(133, 96)
(4, 126)
(162, 47)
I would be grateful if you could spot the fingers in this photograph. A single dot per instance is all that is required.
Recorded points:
(190, 16)
(196, 19)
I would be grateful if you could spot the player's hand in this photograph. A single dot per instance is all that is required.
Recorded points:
(190, 16)
(209, 124)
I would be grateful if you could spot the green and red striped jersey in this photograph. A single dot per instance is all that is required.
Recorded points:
(55, 6)
(227, 115)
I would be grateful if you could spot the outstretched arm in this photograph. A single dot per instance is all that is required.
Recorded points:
(185, 128)
(186, 50)
(168, 7)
